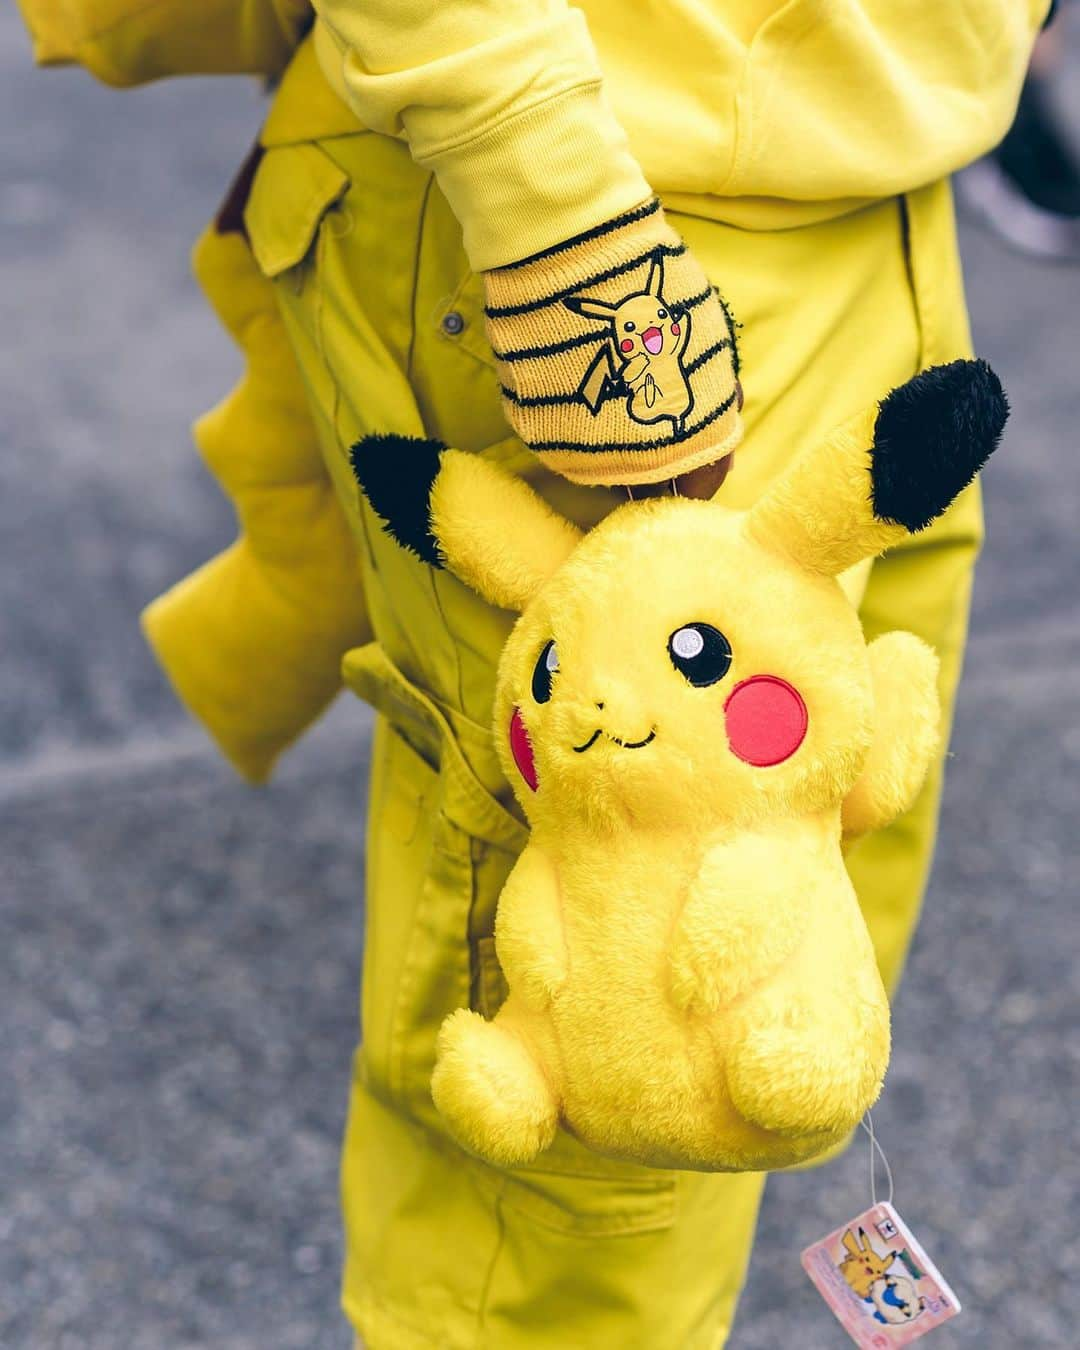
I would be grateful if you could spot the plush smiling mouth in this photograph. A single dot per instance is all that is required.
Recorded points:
(653, 339)
(626, 745)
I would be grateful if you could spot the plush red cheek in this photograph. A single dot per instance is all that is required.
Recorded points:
(627, 345)
(521, 749)
(766, 720)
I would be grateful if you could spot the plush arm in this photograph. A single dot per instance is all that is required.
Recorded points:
(529, 936)
(907, 720)
(745, 912)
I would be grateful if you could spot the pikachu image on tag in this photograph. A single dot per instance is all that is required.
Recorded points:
(878, 1281)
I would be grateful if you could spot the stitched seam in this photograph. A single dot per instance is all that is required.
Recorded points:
(500, 123)
(421, 217)
(489, 1276)
(433, 576)
(320, 249)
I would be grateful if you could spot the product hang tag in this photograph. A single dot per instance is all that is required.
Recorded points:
(882, 1287)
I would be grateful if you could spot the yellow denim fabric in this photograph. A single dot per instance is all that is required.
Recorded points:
(367, 259)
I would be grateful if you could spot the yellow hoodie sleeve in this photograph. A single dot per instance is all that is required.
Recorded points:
(764, 113)
(504, 101)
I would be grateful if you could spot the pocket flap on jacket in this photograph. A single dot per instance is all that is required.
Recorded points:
(371, 675)
(294, 187)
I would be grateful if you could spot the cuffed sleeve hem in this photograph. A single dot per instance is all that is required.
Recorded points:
(550, 172)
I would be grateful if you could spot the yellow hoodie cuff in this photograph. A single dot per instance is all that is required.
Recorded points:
(548, 173)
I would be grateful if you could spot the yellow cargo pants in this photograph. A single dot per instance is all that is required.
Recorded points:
(385, 320)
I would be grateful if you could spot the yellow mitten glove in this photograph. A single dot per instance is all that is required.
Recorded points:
(616, 354)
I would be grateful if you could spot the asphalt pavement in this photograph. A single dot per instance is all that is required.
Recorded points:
(179, 955)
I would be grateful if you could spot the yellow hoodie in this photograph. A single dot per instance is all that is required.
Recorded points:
(540, 120)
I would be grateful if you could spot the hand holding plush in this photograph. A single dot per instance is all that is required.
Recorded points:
(692, 720)
(616, 356)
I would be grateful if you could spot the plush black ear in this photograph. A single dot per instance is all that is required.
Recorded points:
(931, 438)
(395, 473)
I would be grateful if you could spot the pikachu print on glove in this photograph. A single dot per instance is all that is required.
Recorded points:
(693, 723)
(645, 353)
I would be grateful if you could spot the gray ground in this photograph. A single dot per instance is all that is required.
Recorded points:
(179, 956)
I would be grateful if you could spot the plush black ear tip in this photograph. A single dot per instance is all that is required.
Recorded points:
(931, 438)
(396, 474)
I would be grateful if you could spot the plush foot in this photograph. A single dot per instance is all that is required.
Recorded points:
(803, 1081)
(491, 1091)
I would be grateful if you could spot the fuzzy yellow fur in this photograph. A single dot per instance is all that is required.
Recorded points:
(691, 981)
(819, 512)
(905, 673)
(507, 567)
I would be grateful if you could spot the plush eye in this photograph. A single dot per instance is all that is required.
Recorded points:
(700, 652)
(661, 313)
(547, 663)
(629, 327)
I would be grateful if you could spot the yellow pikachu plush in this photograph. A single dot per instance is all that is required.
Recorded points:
(692, 721)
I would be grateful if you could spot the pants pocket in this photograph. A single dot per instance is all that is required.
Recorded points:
(438, 845)
(400, 846)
